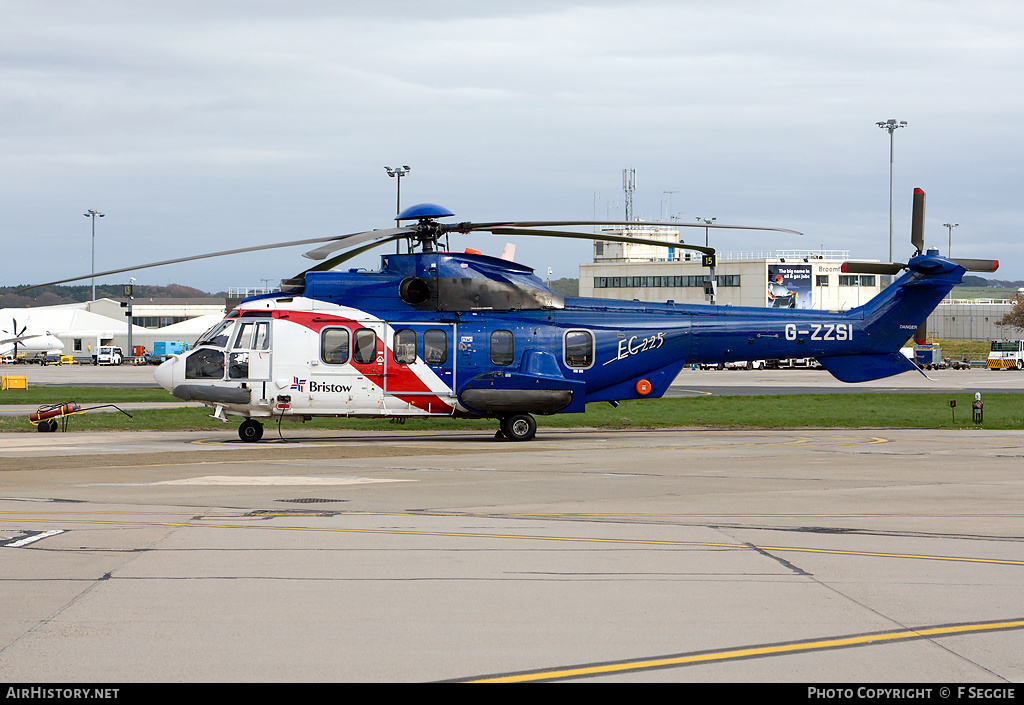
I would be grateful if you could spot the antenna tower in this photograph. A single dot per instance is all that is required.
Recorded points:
(629, 186)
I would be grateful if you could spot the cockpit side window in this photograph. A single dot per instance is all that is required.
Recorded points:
(205, 364)
(253, 336)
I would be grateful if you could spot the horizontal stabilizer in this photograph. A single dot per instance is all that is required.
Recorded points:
(864, 368)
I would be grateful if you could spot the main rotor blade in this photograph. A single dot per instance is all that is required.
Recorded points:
(355, 239)
(345, 256)
(601, 237)
(978, 265)
(468, 227)
(872, 267)
(179, 260)
(292, 283)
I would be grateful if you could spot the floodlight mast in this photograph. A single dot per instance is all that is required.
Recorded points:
(949, 249)
(92, 213)
(398, 172)
(891, 125)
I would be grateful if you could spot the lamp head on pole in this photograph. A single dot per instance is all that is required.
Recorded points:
(892, 125)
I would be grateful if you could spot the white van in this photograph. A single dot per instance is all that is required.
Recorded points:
(109, 355)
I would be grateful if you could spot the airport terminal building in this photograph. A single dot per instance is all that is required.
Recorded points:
(807, 279)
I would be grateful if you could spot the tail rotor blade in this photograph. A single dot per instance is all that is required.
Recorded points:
(917, 225)
(872, 267)
(978, 265)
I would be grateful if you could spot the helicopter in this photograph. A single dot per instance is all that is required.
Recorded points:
(439, 333)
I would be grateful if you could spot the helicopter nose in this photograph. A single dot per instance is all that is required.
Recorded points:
(164, 374)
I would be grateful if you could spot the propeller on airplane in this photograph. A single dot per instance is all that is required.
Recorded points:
(17, 335)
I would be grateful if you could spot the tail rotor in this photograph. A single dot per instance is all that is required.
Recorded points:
(917, 240)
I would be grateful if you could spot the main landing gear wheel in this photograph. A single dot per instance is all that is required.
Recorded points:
(519, 427)
(250, 431)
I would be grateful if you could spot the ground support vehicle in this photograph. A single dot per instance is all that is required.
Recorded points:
(108, 355)
(1006, 355)
(745, 365)
(164, 349)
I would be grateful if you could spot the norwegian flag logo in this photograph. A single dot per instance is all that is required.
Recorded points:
(298, 383)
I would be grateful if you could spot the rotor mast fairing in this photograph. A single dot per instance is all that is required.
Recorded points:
(438, 281)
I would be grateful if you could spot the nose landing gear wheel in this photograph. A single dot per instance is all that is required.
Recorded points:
(250, 431)
(519, 427)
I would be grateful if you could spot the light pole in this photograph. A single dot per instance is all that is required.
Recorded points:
(949, 250)
(891, 126)
(131, 299)
(706, 223)
(711, 284)
(92, 213)
(398, 172)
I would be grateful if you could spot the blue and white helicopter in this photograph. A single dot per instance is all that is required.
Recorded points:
(436, 333)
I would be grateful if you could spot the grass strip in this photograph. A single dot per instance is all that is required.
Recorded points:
(926, 411)
(84, 395)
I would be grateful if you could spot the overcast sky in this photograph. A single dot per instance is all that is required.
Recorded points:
(197, 126)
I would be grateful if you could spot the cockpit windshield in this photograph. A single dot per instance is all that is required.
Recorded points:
(218, 335)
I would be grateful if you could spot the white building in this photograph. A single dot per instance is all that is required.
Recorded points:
(780, 279)
(84, 327)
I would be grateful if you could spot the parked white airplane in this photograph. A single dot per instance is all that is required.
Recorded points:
(21, 341)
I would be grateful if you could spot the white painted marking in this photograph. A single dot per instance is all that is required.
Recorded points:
(37, 537)
(273, 480)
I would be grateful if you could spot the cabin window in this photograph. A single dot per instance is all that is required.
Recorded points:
(205, 364)
(579, 348)
(405, 347)
(334, 346)
(364, 346)
(503, 347)
(435, 347)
